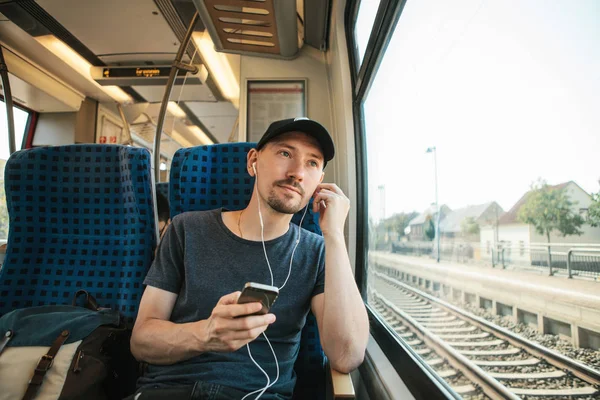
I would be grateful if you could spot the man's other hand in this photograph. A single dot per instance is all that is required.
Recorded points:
(230, 326)
(333, 206)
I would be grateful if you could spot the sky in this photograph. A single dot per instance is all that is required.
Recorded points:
(20, 118)
(507, 91)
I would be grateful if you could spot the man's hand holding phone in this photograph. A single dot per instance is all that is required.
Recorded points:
(232, 325)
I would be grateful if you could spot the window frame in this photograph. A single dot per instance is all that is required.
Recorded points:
(29, 125)
(419, 377)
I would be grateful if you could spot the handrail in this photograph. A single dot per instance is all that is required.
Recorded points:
(560, 244)
(175, 67)
(125, 124)
(570, 253)
(507, 253)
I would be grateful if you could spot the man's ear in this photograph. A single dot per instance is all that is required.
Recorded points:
(251, 159)
(322, 176)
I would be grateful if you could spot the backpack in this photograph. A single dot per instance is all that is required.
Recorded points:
(65, 352)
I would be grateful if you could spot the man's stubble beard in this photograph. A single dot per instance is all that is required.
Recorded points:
(276, 204)
(281, 207)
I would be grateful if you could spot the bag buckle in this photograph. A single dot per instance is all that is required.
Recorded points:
(45, 363)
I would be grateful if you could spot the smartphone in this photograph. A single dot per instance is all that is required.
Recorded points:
(257, 292)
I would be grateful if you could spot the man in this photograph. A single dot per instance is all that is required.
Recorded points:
(190, 328)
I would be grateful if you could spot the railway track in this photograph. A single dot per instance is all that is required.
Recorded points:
(477, 358)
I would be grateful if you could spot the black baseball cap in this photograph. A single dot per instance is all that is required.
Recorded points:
(304, 125)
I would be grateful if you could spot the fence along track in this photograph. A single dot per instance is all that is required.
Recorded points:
(581, 259)
(434, 327)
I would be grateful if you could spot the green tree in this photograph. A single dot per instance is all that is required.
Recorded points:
(469, 226)
(391, 228)
(429, 229)
(398, 222)
(3, 213)
(549, 209)
(594, 210)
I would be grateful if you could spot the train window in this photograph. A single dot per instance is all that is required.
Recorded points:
(21, 118)
(364, 24)
(480, 127)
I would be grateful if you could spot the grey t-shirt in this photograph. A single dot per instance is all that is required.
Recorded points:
(201, 260)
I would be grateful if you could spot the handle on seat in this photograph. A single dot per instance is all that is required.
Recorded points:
(90, 301)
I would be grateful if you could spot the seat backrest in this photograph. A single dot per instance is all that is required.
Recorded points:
(209, 177)
(81, 217)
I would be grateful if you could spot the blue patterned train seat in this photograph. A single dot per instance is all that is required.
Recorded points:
(81, 217)
(209, 177)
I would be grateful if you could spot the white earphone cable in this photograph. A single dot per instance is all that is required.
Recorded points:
(295, 247)
(261, 370)
(269, 383)
(262, 237)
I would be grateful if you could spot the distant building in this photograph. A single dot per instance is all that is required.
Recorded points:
(483, 214)
(518, 238)
(417, 225)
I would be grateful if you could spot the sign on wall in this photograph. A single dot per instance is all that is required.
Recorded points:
(272, 100)
(110, 133)
(109, 129)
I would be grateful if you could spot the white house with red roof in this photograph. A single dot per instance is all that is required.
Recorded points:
(520, 240)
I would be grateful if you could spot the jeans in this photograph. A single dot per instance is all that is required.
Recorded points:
(198, 391)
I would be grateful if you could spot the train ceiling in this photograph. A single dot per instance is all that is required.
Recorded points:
(138, 32)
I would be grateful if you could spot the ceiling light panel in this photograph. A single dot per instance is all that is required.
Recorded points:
(218, 66)
(115, 26)
(80, 65)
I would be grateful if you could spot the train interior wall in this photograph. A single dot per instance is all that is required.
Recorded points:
(329, 99)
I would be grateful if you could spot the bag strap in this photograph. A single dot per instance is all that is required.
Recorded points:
(5, 339)
(44, 365)
(90, 301)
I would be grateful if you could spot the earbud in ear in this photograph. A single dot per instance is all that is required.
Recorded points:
(254, 167)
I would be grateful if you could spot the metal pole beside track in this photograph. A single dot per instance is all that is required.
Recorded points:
(437, 204)
(437, 225)
(569, 263)
(550, 273)
(9, 103)
(175, 67)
